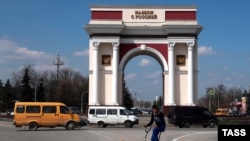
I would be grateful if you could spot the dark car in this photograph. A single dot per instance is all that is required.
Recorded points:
(10, 112)
(185, 116)
(134, 111)
(76, 110)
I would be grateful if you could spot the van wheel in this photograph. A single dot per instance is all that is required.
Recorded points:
(128, 124)
(32, 126)
(204, 126)
(70, 125)
(187, 124)
(212, 124)
(100, 124)
(180, 125)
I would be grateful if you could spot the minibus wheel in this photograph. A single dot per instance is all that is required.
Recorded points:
(70, 125)
(128, 124)
(32, 126)
(100, 124)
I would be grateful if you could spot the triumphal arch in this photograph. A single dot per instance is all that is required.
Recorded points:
(167, 33)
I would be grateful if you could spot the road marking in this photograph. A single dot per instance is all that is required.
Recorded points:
(178, 138)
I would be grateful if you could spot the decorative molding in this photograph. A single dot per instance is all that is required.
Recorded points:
(171, 46)
(190, 45)
(96, 45)
(180, 60)
(115, 45)
(181, 72)
(106, 60)
(143, 47)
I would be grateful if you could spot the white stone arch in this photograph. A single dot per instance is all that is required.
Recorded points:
(109, 34)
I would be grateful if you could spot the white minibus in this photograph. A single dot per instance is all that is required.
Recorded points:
(111, 115)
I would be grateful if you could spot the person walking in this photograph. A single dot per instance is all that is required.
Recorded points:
(158, 117)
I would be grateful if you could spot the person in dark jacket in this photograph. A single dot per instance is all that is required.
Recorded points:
(158, 117)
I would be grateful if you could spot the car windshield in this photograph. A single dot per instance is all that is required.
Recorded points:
(208, 113)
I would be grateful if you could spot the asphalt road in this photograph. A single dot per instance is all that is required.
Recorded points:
(112, 133)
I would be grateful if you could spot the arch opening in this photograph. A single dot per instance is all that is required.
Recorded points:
(151, 91)
(143, 78)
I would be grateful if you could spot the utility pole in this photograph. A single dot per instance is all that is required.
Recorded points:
(211, 93)
(58, 63)
(82, 100)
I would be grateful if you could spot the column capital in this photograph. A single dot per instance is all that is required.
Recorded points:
(115, 45)
(96, 45)
(171, 44)
(190, 45)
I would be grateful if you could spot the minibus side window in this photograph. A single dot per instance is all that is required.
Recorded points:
(100, 111)
(49, 109)
(64, 110)
(33, 109)
(20, 109)
(112, 112)
(92, 111)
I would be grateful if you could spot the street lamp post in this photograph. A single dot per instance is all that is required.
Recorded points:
(211, 93)
(137, 100)
(6, 103)
(82, 100)
(35, 91)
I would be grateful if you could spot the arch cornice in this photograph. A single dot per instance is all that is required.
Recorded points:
(103, 29)
(190, 41)
(182, 29)
(144, 50)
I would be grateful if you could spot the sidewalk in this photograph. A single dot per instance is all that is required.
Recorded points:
(5, 121)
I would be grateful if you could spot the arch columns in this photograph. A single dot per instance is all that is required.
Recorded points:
(95, 74)
(190, 73)
(115, 73)
(171, 73)
(172, 44)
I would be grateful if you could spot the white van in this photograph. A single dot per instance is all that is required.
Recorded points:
(111, 115)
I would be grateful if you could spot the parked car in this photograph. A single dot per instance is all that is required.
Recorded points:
(134, 111)
(220, 112)
(76, 110)
(10, 112)
(185, 116)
